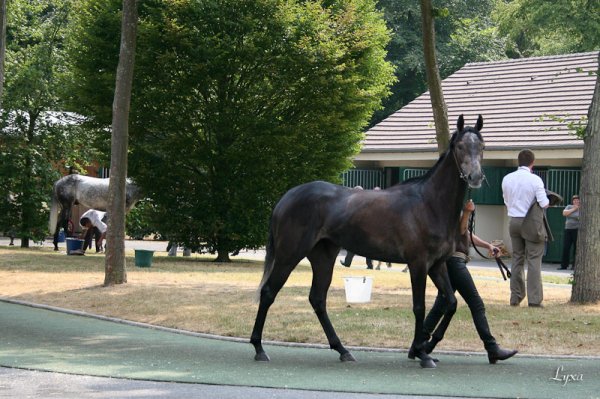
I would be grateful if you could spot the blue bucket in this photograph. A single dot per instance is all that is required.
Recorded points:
(74, 244)
(61, 236)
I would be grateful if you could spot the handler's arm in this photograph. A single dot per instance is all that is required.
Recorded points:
(464, 220)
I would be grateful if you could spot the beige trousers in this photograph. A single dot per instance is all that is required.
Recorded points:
(525, 253)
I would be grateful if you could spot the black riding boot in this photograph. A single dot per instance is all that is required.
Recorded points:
(496, 353)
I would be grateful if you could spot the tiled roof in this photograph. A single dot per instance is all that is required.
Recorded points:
(521, 102)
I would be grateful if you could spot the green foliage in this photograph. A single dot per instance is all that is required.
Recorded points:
(541, 27)
(464, 33)
(234, 102)
(35, 137)
(139, 220)
(475, 40)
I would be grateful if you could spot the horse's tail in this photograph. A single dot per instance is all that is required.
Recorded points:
(269, 262)
(53, 214)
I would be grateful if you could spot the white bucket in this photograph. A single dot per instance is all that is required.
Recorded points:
(358, 289)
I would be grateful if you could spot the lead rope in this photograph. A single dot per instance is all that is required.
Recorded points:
(499, 261)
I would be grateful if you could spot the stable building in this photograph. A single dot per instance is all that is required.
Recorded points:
(538, 103)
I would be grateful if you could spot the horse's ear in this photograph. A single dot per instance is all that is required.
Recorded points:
(479, 124)
(460, 123)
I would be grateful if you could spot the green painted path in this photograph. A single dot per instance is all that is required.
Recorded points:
(42, 339)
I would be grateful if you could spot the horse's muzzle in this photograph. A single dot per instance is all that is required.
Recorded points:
(475, 180)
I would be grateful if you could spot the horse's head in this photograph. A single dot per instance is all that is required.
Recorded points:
(467, 147)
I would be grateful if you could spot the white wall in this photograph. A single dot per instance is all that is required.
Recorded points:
(491, 223)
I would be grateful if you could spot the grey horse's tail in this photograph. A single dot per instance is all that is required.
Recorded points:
(269, 262)
(53, 214)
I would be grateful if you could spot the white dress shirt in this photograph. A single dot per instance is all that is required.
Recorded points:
(520, 189)
(96, 219)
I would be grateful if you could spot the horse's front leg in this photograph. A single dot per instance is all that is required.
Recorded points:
(418, 277)
(445, 304)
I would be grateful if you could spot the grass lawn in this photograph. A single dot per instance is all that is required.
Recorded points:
(197, 295)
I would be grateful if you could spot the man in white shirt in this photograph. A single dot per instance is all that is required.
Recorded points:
(93, 222)
(521, 189)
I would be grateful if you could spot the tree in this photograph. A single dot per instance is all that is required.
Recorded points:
(115, 272)
(237, 101)
(434, 82)
(586, 279)
(540, 27)
(464, 32)
(36, 135)
(2, 45)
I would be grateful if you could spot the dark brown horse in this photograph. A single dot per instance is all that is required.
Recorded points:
(414, 222)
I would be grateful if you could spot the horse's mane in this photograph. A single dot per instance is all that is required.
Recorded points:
(453, 140)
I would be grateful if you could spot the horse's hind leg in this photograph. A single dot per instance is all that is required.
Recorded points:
(63, 221)
(322, 259)
(268, 292)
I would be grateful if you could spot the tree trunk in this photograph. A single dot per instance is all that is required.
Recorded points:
(115, 271)
(2, 46)
(440, 111)
(223, 256)
(586, 280)
(27, 218)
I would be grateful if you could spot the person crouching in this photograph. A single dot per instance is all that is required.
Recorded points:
(93, 222)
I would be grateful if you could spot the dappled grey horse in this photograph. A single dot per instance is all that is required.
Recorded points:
(91, 192)
(414, 222)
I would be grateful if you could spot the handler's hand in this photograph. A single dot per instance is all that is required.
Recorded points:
(495, 251)
(469, 206)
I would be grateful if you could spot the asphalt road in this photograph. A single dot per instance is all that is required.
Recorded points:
(31, 384)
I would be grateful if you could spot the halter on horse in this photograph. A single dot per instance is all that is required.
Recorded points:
(91, 192)
(420, 218)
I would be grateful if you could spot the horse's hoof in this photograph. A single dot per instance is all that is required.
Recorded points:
(428, 363)
(56, 249)
(262, 357)
(347, 357)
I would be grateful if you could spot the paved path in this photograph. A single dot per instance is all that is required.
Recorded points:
(48, 340)
(17, 384)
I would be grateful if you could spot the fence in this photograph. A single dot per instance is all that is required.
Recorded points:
(366, 178)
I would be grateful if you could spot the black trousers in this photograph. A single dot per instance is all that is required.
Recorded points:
(91, 232)
(569, 240)
(461, 280)
(350, 256)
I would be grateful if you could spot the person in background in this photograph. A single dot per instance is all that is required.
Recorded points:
(348, 260)
(389, 265)
(571, 213)
(521, 189)
(93, 222)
